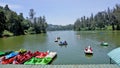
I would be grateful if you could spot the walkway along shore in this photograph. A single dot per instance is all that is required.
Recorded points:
(62, 66)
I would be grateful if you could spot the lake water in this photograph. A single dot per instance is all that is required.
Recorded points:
(73, 53)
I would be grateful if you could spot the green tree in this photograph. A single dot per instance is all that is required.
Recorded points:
(2, 22)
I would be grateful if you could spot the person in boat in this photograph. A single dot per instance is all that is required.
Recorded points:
(61, 42)
(65, 42)
(56, 40)
(58, 37)
(86, 48)
(89, 47)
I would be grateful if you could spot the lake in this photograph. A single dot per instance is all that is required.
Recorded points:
(73, 53)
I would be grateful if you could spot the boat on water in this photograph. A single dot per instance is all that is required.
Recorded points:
(8, 59)
(12, 54)
(21, 58)
(104, 44)
(63, 43)
(4, 53)
(22, 50)
(52, 54)
(56, 40)
(88, 50)
(27, 57)
(39, 54)
(43, 61)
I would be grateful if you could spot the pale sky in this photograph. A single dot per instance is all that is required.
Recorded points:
(60, 12)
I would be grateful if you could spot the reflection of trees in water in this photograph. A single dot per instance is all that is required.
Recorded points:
(88, 56)
(23, 41)
(111, 37)
(63, 46)
(11, 43)
(36, 38)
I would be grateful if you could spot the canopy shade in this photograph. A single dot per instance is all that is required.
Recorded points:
(115, 55)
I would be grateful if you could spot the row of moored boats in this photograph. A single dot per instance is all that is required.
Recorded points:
(26, 57)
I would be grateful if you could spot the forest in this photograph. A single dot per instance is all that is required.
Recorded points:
(13, 24)
(104, 20)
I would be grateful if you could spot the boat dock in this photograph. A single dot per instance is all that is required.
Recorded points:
(61, 66)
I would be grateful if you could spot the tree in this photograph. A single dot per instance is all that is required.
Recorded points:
(2, 22)
(6, 8)
(31, 13)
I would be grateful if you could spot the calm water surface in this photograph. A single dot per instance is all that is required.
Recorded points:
(73, 53)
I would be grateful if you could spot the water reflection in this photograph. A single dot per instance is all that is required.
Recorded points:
(88, 56)
(11, 43)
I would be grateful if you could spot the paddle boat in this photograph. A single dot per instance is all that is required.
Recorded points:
(35, 60)
(46, 60)
(12, 54)
(88, 50)
(22, 50)
(104, 44)
(49, 58)
(8, 59)
(56, 40)
(62, 43)
(4, 53)
(21, 58)
(39, 54)
(52, 54)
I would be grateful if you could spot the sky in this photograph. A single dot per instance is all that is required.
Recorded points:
(60, 12)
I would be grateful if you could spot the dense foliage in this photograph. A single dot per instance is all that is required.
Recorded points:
(13, 24)
(59, 27)
(104, 20)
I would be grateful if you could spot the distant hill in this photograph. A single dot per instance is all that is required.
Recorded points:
(52, 27)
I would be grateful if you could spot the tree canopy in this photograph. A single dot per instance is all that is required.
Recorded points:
(15, 23)
(101, 21)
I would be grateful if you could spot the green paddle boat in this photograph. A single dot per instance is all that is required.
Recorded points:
(35, 60)
(104, 44)
(2, 53)
(45, 61)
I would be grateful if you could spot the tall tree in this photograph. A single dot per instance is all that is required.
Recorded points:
(2, 22)
(31, 13)
(6, 8)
